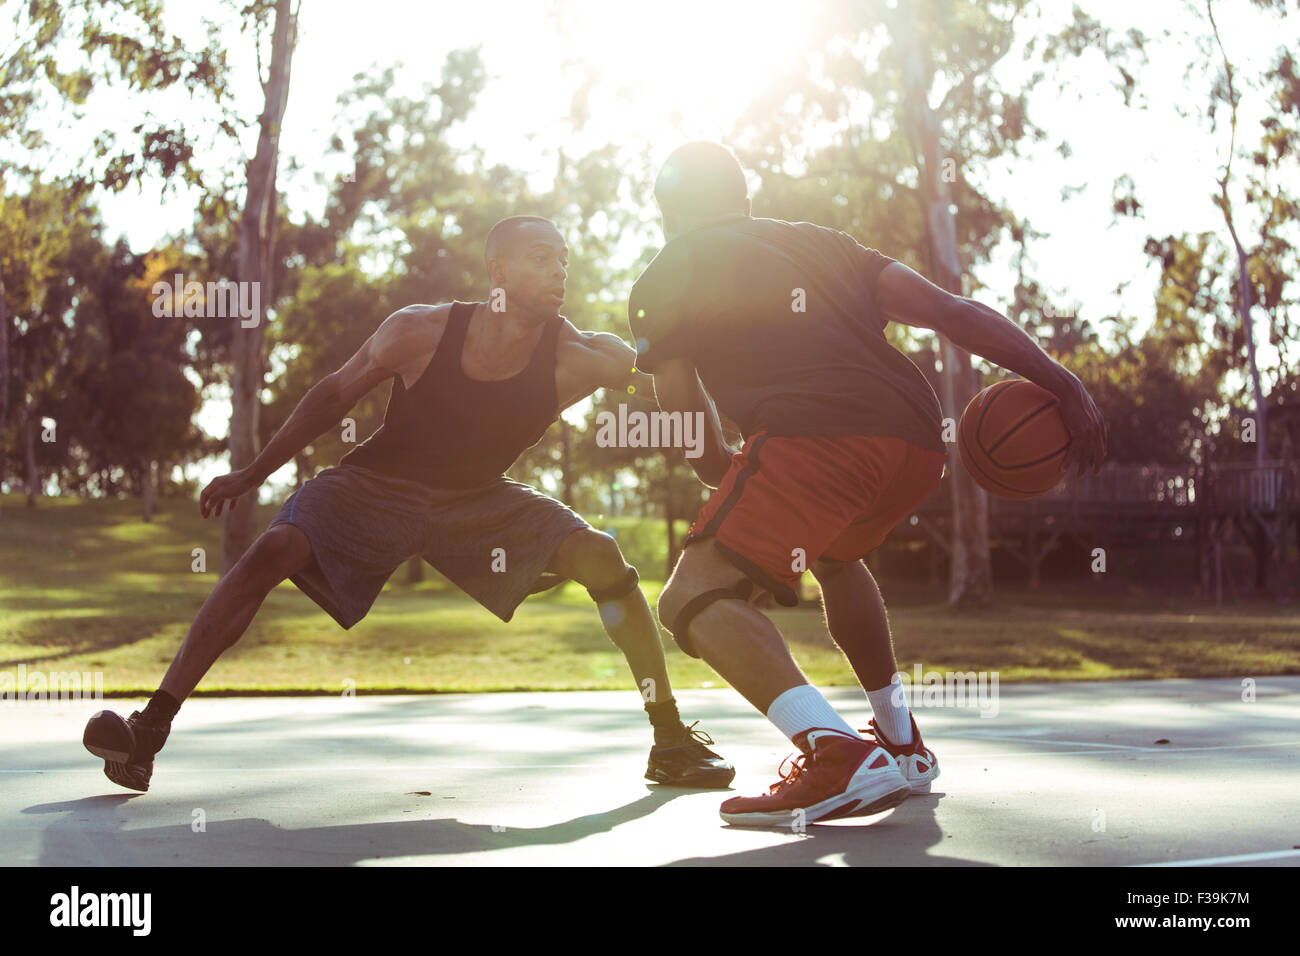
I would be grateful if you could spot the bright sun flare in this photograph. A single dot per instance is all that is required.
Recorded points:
(697, 63)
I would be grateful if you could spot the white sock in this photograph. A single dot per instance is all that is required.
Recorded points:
(889, 707)
(802, 708)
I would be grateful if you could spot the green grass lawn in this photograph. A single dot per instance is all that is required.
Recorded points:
(87, 586)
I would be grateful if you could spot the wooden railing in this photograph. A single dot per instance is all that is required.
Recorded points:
(1265, 487)
(1134, 484)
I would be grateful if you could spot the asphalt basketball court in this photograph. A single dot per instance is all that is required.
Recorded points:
(1064, 775)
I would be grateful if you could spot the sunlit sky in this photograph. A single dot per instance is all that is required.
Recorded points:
(690, 68)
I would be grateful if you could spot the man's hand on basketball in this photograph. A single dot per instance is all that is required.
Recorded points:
(1087, 429)
(227, 488)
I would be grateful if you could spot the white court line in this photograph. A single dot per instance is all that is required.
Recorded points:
(1215, 860)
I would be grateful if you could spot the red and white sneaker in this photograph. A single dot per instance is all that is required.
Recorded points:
(917, 761)
(836, 776)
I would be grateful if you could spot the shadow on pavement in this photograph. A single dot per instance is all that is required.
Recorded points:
(901, 839)
(230, 842)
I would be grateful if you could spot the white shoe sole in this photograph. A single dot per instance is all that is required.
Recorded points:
(873, 792)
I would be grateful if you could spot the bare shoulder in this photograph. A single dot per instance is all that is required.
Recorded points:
(410, 335)
(416, 323)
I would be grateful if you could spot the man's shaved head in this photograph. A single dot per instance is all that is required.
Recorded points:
(527, 262)
(701, 180)
(501, 238)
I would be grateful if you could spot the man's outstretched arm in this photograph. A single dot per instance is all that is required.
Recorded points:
(383, 354)
(904, 296)
(678, 389)
(675, 385)
(607, 362)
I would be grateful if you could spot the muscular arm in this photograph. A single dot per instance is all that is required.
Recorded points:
(604, 361)
(906, 297)
(678, 389)
(401, 336)
(380, 358)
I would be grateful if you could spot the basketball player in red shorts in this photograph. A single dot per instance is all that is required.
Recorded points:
(783, 324)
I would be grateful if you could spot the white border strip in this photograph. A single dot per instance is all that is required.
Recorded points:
(1242, 858)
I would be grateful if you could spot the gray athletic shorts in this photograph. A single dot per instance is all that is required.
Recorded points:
(493, 542)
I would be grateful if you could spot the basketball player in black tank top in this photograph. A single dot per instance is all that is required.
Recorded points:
(473, 388)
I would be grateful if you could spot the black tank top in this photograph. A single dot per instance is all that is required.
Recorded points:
(452, 431)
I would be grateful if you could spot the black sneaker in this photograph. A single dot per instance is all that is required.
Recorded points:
(689, 763)
(126, 746)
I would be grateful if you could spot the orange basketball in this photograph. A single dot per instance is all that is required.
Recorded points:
(1012, 439)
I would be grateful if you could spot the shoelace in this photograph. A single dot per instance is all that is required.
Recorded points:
(870, 730)
(875, 735)
(798, 767)
(147, 728)
(699, 736)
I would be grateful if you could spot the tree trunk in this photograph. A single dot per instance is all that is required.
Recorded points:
(1247, 327)
(970, 578)
(147, 490)
(671, 515)
(4, 357)
(566, 483)
(4, 375)
(969, 575)
(415, 569)
(29, 454)
(1243, 277)
(253, 266)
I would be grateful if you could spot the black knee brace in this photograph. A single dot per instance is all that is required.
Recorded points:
(740, 591)
(616, 591)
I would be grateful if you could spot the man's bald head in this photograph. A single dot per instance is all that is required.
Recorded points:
(527, 261)
(504, 238)
(700, 181)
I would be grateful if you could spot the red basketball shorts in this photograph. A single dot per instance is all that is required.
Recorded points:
(787, 501)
